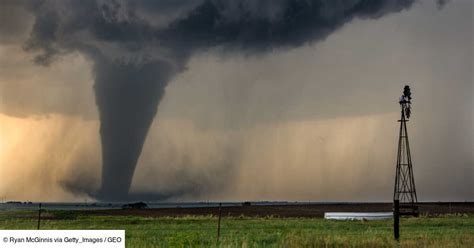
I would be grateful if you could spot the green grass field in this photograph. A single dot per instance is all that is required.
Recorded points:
(199, 231)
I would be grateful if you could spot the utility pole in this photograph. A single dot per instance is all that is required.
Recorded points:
(219, 223)
(39, 216)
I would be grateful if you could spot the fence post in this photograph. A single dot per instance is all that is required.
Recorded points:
(39, 216)
(219, 222)
(396, 219)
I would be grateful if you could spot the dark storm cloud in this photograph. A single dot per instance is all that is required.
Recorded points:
(441, 3)
(43, 37)
(246, 26)
(135, 55)
(243, 24)
(163, 7)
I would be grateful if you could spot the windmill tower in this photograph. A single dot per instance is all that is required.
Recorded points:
(405, 191)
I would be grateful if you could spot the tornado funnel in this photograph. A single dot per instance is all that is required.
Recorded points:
(127, 96)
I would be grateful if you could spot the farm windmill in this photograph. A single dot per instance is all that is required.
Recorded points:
(405, 191)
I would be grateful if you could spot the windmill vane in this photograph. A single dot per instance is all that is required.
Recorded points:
(405, 101)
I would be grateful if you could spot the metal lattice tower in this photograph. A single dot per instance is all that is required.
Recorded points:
(405, 190)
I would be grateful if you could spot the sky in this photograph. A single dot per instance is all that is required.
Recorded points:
(308, 116)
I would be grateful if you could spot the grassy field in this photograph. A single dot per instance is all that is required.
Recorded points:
(201, 231)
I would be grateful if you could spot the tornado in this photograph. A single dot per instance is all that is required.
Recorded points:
(136, 47)
(127, 96)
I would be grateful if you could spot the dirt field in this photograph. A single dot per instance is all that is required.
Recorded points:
(285, 211)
